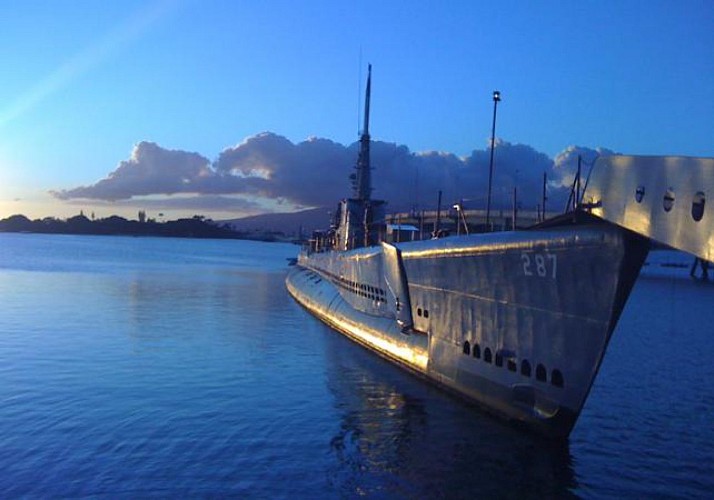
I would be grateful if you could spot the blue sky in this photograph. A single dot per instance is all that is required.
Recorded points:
(83, 82)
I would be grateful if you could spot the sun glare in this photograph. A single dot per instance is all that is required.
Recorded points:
(85, 60)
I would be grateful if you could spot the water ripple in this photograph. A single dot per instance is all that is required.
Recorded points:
(135, 367)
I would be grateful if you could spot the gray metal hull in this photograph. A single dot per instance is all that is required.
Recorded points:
(517, 322)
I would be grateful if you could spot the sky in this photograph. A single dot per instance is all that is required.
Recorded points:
(230, 108)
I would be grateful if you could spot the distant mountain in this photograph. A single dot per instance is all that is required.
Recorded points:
(290, 224)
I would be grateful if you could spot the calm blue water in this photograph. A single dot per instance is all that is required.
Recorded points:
(133, 367)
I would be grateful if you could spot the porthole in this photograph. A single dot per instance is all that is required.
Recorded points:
(525, 368)
(541, 374)
(556, 378)
(467, 347)
(639, 194)
(426, 313)
(419, 311)
(698, 206)
(487, 355)
(499, 359)
(668, 200)
(511, 365)
(477, 351)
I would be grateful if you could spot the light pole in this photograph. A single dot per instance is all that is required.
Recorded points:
(457, 207)
(496, 99)
(460, 217)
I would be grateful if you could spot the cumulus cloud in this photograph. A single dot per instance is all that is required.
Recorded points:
(316, 172)
(310, 173)
(565, 164)
(206, 203)
(151, 169)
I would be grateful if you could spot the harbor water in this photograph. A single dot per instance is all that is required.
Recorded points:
(135, 367)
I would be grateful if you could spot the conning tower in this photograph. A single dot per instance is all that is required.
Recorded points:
(360, 220)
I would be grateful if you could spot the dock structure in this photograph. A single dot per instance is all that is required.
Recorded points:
(459, 221)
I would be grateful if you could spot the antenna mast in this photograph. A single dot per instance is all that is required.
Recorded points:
(363, 187)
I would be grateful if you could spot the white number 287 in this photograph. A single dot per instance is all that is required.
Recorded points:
(543, 265)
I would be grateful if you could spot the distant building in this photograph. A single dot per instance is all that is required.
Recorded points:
(142, 216)
(402, 232)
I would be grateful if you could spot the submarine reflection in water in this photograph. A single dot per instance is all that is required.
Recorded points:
(400, 438)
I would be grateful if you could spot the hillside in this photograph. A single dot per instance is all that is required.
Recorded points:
(290, 224)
